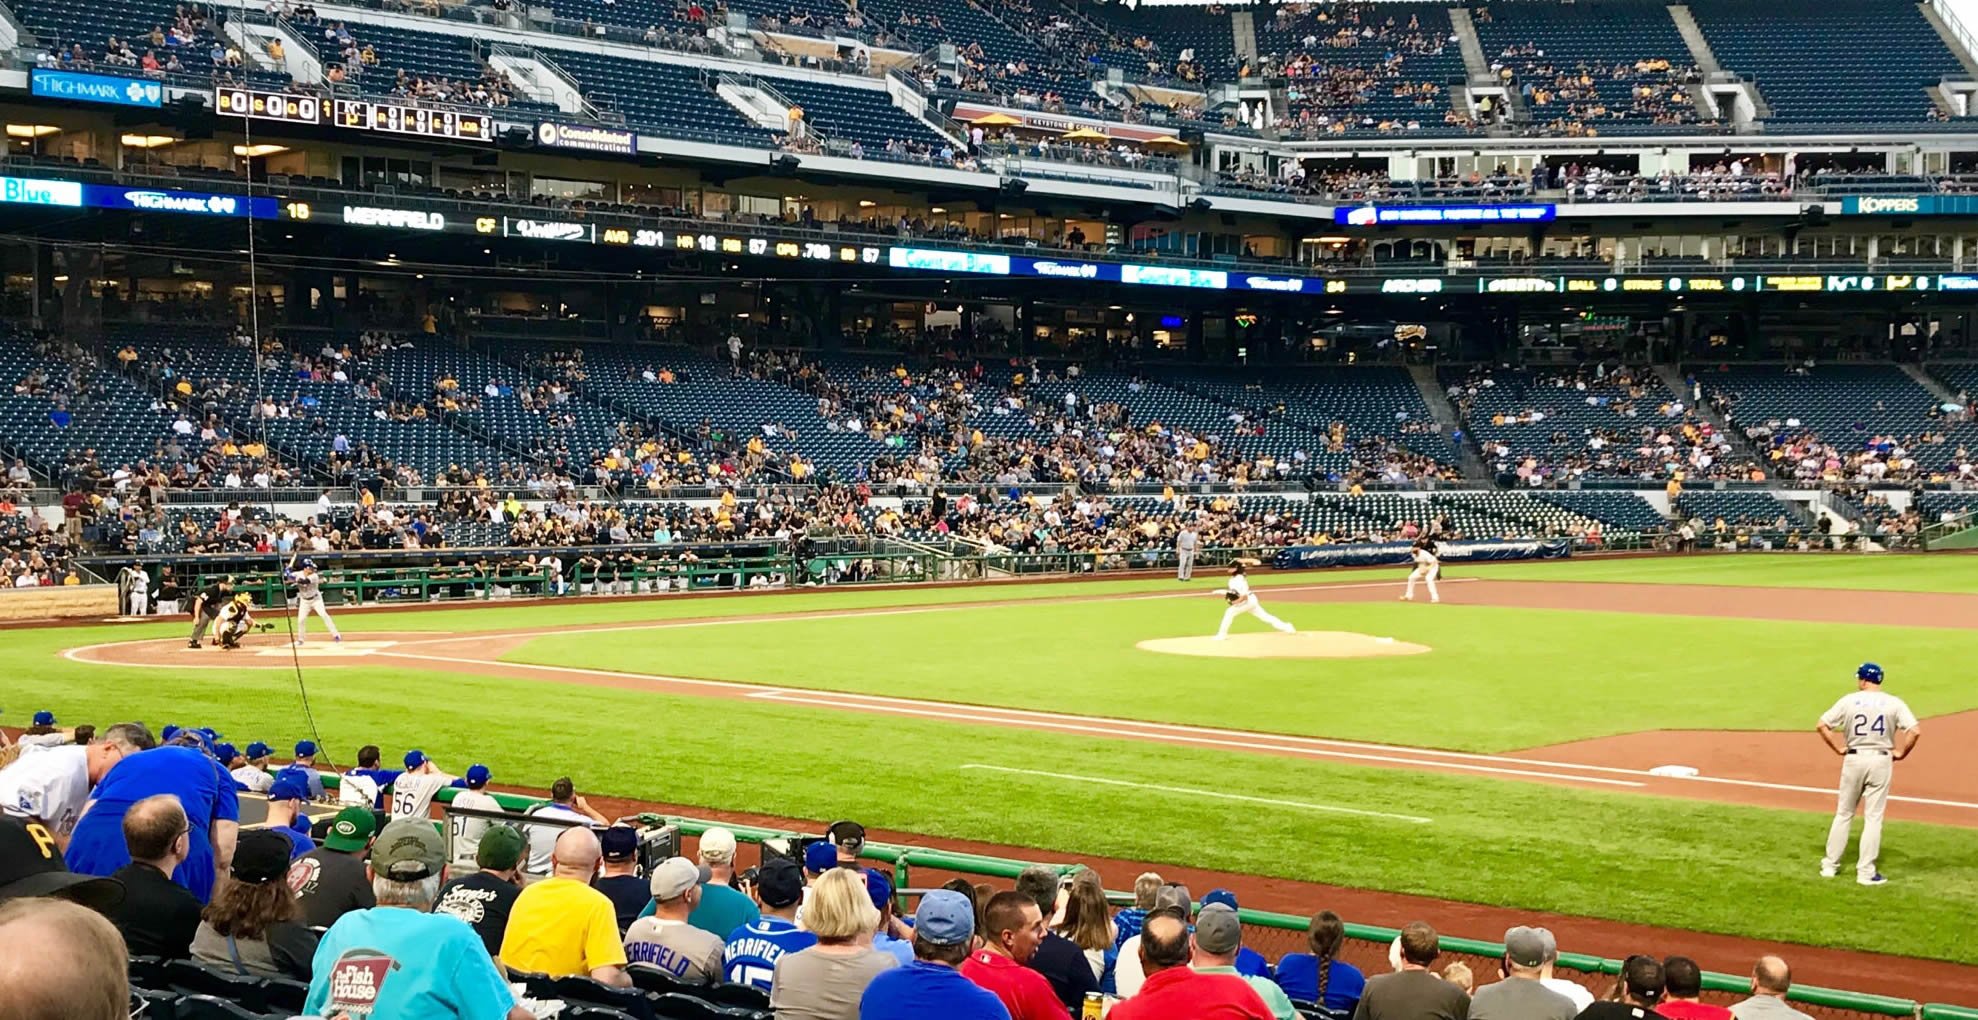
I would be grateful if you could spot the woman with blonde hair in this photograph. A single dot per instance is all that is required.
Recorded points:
(825, 981)
(1086, 921)
(250, 927)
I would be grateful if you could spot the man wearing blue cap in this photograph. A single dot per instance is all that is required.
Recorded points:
(305, 766)
(1870, 730)
(285, 815)
(467, 829)
(41, 732)
(204, 789)
(931, 986)
(253, 776)
(413, 791)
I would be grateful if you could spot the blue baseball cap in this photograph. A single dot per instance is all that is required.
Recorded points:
(257, 750)
(309, 564)
(225, 752)
(44, 718)
(820, 856)
(879, 887)
(289, 786)
(478, 776)
(945, 918)
(1868, 671)
(305, 749)
(165, 735)
(414, 759)
(1219, 896)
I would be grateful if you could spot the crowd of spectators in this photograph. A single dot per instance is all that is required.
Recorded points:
(155, 53)
(331, 890)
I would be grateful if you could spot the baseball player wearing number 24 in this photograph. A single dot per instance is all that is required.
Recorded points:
(1871, 730)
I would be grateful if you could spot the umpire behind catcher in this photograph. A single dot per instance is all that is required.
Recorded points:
(206, 607)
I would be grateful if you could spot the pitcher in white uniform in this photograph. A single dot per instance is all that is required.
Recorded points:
(1241, 601)
(1870, 730)
(1427, 565)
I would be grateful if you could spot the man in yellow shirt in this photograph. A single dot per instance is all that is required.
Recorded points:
(561, 926)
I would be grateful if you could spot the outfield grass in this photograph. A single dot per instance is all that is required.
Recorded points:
(1690, 864)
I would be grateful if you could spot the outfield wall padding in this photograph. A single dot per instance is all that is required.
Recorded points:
(1371, 554)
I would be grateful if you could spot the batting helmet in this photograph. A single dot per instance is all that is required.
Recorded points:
(308, 564)
(1869, 672)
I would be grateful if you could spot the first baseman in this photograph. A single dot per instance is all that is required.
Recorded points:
(1428, 566)
(1241, 601)
(1870, 730)
(309, 599)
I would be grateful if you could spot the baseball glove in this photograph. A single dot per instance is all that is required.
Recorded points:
(1230, 597)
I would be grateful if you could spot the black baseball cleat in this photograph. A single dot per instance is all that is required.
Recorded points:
(192, 644)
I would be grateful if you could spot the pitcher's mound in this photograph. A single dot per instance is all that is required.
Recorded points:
(1304, 644)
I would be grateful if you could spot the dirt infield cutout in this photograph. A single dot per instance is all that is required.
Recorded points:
(1304, 644)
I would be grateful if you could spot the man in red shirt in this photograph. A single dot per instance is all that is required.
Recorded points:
(1682, 980)
(1173, 990)
(1014, 928)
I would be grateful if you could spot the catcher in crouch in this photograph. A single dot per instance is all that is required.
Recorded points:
(1241, 600)
(236, 619)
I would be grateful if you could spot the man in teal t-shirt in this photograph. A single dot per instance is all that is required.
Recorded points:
(723, 908)
(399, 959)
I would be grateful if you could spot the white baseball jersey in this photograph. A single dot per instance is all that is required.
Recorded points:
(51, 784)
(253, 779)
(1868, 720)
(467, 831)
(412, 794)
(1239, 584)
(1424, 558)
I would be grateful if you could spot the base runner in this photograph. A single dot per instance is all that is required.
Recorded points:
(1870, 730)
(309, 599)
(1241, 600)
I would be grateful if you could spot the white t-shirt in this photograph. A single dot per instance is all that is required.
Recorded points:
(412, 794)
(56, 739)
(542, 838)
(354, 790)
(1868, 720)
(51, 784)
(253, 779)
(1570, 989)
(467, 831)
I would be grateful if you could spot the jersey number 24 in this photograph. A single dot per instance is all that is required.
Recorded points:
(1864, 725)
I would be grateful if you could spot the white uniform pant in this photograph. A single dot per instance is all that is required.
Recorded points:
(1249, 604)
(1426, 574)
(140, 601)
(312, 604)
(1184, 564)
(1864, 786)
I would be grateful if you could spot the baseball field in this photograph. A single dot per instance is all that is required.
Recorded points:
(1516, 761)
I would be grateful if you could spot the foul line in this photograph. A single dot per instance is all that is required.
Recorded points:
(1330, 808)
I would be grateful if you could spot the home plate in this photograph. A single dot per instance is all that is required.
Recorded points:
(1673, 771)
(324, 649)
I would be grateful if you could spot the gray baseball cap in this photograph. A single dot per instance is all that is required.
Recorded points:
(1218, 930)
(945, 918)
(1526, 947)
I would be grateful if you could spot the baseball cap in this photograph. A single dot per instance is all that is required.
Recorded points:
(408, 850)
(165, 735)
(257, 751)
(500, 849)
(1219, 897)
(1869, 671)
(261, 855)
(674, 876)
(879, 887)
(352, 829)
(305, 748)
(44, 718)
(1525, 946)
(414, 759)
(1218, 930)
(1174, 894)
(289, 786)
(945, 918)
(717, 846)
(31, 865)
(848, 837)
(781, 883)
(478, 776)
(619, 842)
(820, 857)
(1546, 939)
(225, 752)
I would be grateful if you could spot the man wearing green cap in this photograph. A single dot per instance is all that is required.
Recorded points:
(399, 959)
(483, 899)
(329, 881)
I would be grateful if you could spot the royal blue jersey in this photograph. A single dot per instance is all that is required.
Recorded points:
(754, 948)
(202, 785)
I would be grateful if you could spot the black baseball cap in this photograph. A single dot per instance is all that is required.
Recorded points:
(619, 843)
(780, 882)
(31, 865)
